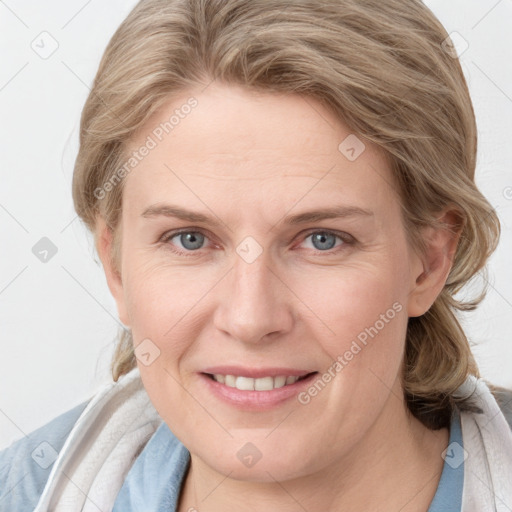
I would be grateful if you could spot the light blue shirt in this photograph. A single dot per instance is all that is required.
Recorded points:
(26, 465)
(448, 497)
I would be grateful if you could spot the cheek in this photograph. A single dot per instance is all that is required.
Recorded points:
(163, 304)
(365, 314)
(354, 299)
(363, 322)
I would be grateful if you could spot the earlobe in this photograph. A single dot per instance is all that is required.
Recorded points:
(436, 263)
(106, 251)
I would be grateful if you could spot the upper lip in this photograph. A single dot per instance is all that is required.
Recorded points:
(256, 373)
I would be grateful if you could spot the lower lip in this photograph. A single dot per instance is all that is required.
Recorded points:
(255, 400)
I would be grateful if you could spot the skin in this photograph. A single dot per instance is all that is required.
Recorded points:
(248, 160)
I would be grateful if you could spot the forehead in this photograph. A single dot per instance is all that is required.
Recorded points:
(239, 144)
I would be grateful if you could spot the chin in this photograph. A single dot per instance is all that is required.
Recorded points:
(259, 461)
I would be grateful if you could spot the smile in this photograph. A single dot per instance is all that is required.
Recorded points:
(257, 392)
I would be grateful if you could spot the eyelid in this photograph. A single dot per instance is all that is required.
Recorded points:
(343, 235)
(172, 233)
(347, 241)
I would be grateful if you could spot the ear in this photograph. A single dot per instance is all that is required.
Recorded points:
(106, 251)
(432, 268)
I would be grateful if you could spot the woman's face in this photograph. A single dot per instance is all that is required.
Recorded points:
(261, 241)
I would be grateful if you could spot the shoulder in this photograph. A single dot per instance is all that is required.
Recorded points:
(26, 465)
(156, 477)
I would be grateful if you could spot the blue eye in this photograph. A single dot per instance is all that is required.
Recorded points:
(190, 240)
(323, 240)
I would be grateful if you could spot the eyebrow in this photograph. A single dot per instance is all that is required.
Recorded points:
(167, 210)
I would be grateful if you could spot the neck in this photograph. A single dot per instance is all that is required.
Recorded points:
(395, 466)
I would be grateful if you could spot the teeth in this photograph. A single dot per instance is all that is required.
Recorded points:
(244, 383)
(230, 380)
(279, 382)
(261, 384)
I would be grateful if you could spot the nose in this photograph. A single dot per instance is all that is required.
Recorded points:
(255, 304)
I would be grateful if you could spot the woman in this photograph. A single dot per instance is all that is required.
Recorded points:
(282, 196)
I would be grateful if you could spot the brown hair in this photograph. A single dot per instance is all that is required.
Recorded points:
(380, 65)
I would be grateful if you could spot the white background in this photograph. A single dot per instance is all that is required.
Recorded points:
(58, 321)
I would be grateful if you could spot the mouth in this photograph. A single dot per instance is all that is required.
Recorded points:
(255, 390)
(267, 383)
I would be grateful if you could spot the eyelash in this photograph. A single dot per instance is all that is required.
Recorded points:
(348, 240)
